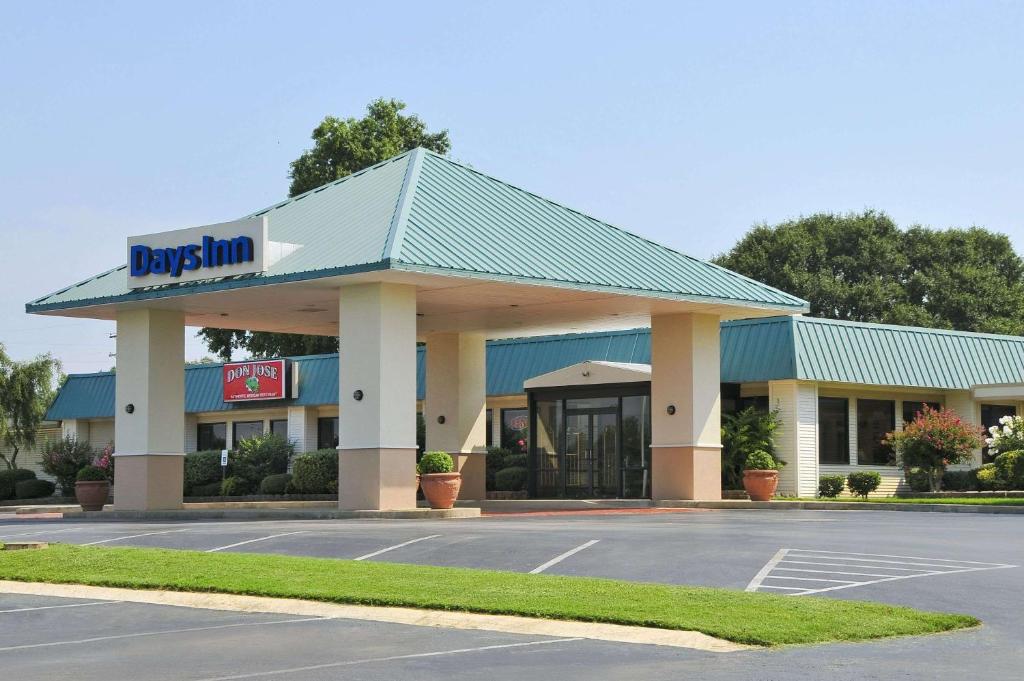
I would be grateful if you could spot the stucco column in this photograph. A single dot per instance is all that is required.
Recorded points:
(150, 440)
(686, 446)
(457, 394)
(377, 424)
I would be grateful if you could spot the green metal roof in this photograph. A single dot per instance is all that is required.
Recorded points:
(422, 212)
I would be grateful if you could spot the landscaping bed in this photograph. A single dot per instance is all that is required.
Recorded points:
(750, 618)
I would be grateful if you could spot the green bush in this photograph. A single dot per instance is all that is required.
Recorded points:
(831, 486)
(9, 478)
(760, 460)
(1010, 469)
(257, 457)
(511, 479)
(863, 483)
(744, 433)
(210, 489)
(275, 484)
(514, 460)
(496, 457)
(33, 489)
(917, 480)
(63, 459)
(960, 481)
(234, 487)
(314, 472)
(436, 462)
(202, 469)
(988, 477)
(91, 474)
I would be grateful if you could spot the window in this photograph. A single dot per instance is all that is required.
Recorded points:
(833, 430)
(875, 420)
(515, 429)
(243, 430)
(490, 428)
(327, 433)
(911, 408)
(211, 436)
(990, 415)
(279, 427)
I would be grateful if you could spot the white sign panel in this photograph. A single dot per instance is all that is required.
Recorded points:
(222, 250)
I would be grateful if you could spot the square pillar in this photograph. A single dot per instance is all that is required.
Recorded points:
(377, 424)
(457, 394)
(686, 446)
(150, 440)
(302, 428)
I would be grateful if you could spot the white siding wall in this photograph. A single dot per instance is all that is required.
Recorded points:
(797, 436)
(807, 439)
(31, 457)
(101, 433)
(302, 428)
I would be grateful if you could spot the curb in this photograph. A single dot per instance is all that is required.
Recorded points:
(510, 624)
(270, 513)
(841, 506)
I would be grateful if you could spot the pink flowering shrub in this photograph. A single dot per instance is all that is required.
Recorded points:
(105, 462)
(936, 438)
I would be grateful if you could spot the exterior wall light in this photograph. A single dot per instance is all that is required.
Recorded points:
(357, 395)
(671, 410)
(130, 408)
(440, 419)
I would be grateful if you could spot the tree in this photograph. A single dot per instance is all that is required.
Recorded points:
(340, 147)
(26, 389)
(863, 267)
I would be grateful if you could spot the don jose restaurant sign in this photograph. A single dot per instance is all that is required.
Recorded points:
(256, 380)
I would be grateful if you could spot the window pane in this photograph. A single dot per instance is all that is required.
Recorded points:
(515, 429)
(990, 415)
(211, 436)
(875, 419)
(911, 409)
(636, 446)
(327, 432)
(490, 427)
(549, 442)
(243, 430)
(833, 430)
(279, 427)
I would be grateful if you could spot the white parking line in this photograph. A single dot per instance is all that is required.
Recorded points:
(878, 567)
(558, 559)
(43, 530)
(390, 658)
(96, 639)
(130, 536)
(396, 546)
(253, 541)
(52, 607)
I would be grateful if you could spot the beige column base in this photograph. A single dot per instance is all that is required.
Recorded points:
(376, 479)
(686, 473)
(148, 482)
(473, 466)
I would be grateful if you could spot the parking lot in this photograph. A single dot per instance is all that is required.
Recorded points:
(964, 563)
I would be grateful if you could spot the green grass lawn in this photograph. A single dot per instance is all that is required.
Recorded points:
(752, 618)
(971, 501)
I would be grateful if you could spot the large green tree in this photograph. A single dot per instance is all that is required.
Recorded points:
(863, 267)
(341, 146)
(26, 389)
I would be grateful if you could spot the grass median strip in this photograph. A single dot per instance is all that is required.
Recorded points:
(962, 501)
(750, 618)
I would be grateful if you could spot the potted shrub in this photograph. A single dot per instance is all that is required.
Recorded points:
(936, 438)
(439, 484)
(92, 488)
(760, 476)
(744, 433)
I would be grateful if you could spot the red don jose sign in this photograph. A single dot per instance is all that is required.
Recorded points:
(257, 380)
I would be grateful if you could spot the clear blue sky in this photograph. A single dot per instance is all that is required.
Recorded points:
(684, 122)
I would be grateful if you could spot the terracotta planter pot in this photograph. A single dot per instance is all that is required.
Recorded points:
(760, 485)
(92, 494)
(441, 489)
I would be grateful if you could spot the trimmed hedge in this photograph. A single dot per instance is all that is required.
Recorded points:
(10, 478)
(210, 489)
(257, 457)
(1010, 469)
(831, 486)
(202, 469)
(234, 487)
(511, 479)
(34, 489)
(863, 483)
(315, 473)
(960, 481)
(275, 484)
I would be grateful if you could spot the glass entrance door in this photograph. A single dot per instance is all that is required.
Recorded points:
(591, 453)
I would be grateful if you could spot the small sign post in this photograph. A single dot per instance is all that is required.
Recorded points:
(223, 464)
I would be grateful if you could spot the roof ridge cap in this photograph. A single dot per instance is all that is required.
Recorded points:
(399, 219)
